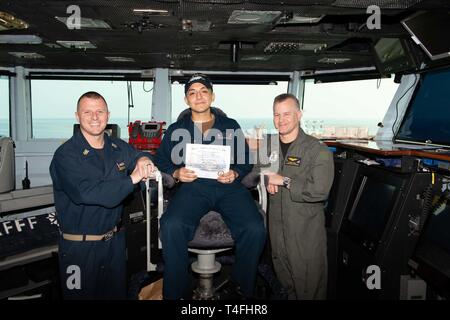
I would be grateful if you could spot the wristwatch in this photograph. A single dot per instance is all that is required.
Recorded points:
(287, 182)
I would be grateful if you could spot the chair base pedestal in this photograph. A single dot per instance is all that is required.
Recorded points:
(206, 266)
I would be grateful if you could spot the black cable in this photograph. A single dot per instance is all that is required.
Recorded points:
(396, 106)
(143, 87)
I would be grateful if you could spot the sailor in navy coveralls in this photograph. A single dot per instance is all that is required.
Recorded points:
(92, 174)
(197, 196)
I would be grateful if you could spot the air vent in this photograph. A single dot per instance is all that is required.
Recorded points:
(87, 23)
(253, 17)
(383, 4)
(293, 47)
(76, 44)
(120, 59)
(256, 58)
(178, 56)
(143, 25)
(150, 12)
(27, 55)
(52, 45)
(333, 60)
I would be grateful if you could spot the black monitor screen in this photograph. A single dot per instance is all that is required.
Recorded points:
(428, 116)
(392, 56)
(434, 244)
(150, 127)
(373, 206)
(430, 29)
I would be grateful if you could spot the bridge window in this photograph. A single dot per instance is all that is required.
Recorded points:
(250, 105)
(54, 104)
(348, 109)
(4, 106)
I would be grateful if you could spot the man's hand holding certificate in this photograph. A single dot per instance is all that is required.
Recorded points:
(208, 160)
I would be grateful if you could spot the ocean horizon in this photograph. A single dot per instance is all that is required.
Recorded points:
(63, 127)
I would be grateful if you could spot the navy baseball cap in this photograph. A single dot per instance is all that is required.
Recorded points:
(200, 78)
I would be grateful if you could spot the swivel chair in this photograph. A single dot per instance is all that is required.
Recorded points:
(212, 235)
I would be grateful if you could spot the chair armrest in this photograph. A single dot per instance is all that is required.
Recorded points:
(251, 180)
(167, 180)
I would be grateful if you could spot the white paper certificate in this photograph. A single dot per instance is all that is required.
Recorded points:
(208, 160)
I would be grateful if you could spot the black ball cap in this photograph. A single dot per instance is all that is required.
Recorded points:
(200, 78)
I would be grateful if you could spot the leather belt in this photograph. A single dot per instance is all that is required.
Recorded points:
(90, 237)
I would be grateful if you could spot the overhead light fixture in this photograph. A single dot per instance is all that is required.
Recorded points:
(20, 39)
(178, 56)
(333, 60)
(293, 47)
(256, 58)
(76, 44)
(8, 22)
(253, 17)
(27, 55)
(151, 12)
(88, 23)
(293, 18)
(52, 45)
(200, 47)
(120, 59)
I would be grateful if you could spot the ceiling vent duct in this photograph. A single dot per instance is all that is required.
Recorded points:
(150, 12)
(253, 17)
(296, 18)
(383, 4)
(333, 60)
(178, 56)
(120, 59)
(27, 55)
(256, 58)
(76, 44)
(293, 47)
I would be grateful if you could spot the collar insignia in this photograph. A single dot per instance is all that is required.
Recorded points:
(121, 166)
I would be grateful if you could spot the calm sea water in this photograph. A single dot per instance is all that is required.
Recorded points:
(63, 128)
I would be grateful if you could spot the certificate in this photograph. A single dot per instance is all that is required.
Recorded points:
(208, 160)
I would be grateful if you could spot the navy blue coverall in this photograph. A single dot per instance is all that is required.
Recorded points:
(88, 192)
(195, 199)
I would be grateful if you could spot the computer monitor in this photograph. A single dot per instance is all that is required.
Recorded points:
(393, 55)
(375, 197)
(426, 121)
(432, 254)
(430, 30)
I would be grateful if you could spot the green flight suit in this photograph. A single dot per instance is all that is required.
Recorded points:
(296, 216)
